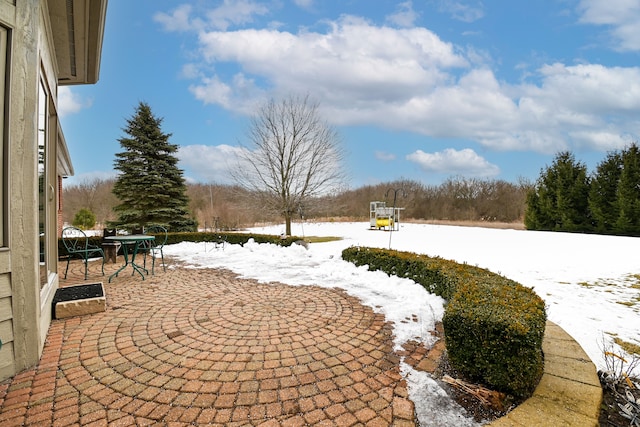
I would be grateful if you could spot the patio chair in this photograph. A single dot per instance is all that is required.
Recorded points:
(155, 246)
(77, 244)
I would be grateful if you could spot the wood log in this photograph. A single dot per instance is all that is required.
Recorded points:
(489, 398)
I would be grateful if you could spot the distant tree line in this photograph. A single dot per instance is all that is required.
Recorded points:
(292, 168)
(94, 195)
(456, 199)
(224, 207)
(567, 198)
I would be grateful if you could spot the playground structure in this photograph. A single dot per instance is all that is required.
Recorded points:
(383, 217)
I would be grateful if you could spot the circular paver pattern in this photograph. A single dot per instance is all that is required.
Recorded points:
(203, 347)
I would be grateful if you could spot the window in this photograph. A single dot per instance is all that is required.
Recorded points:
(4, 193)
(42, 183)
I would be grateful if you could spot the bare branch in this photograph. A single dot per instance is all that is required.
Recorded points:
(292, 155)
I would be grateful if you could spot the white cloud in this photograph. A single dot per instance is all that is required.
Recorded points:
(464, 162)
(472, 107)
(304, 4)
(405, 16)
(212, 91)
(570, 103)
(208, 163)
(601, 140)
(579, 103)
(468, 11)
(70, 102)
(353, 65)
(230, 12)
(240, 95)
(622, 16)
(191, 71)
(593, 88)
(179, 19)
(384, 156)
(409, 79)
(235, 12)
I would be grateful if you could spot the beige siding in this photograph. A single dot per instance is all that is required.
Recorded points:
(23, 183)
(7, 355)
(19, 299)
(7, 365)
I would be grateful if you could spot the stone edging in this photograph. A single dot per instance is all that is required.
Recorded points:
(569, 393)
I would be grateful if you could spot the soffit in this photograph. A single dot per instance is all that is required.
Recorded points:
(78, 31)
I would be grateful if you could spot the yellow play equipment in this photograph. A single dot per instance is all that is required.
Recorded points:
(384, 222)
(382, 217)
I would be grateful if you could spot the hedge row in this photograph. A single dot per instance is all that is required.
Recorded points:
(231, 238)
(493, 325)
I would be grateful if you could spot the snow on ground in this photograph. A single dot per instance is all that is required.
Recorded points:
(587, 281)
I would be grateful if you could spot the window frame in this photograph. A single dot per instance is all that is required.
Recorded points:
(4, 99)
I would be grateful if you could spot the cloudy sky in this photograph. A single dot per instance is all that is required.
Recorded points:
(422, 89)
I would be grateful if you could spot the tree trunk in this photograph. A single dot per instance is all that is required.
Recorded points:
(287, 221)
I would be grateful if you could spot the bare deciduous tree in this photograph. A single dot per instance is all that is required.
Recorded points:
(292, 156)
(93, 194)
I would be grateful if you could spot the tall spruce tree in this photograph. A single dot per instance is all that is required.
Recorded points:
(603, 193)
(628, 193)
(559, 201)
(150, 186)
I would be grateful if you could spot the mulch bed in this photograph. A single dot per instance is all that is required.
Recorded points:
(76, 293)
(612, 398)
(610, 412)
(474, 408)
(72, 293)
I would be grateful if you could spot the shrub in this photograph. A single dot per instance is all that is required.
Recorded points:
(84, 219)
(493, 326)
(231, 238)
(494, 334)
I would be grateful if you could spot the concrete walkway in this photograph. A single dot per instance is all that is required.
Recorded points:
(569, 392)
(203, 347)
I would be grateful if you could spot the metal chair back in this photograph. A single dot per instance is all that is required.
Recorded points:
(74, 240)
(76, 243)
(161, 235)
(109, 232)
(156, 245)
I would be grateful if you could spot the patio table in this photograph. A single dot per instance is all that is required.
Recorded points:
(131, 239)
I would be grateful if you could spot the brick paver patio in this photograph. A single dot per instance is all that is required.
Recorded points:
(203, 347)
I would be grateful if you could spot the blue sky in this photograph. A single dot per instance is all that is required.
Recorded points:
(422, 89)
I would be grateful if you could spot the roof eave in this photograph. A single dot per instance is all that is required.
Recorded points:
(78, 32)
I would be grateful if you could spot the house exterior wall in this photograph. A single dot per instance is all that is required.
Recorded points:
(31, 63)
(19, 267)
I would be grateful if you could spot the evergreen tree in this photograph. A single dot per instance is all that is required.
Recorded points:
(534, 219)
(603, 195)
(559, 200)
(84, 219)
(150, 186)
(628, 193)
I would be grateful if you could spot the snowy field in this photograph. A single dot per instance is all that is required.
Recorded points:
(588, 282)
